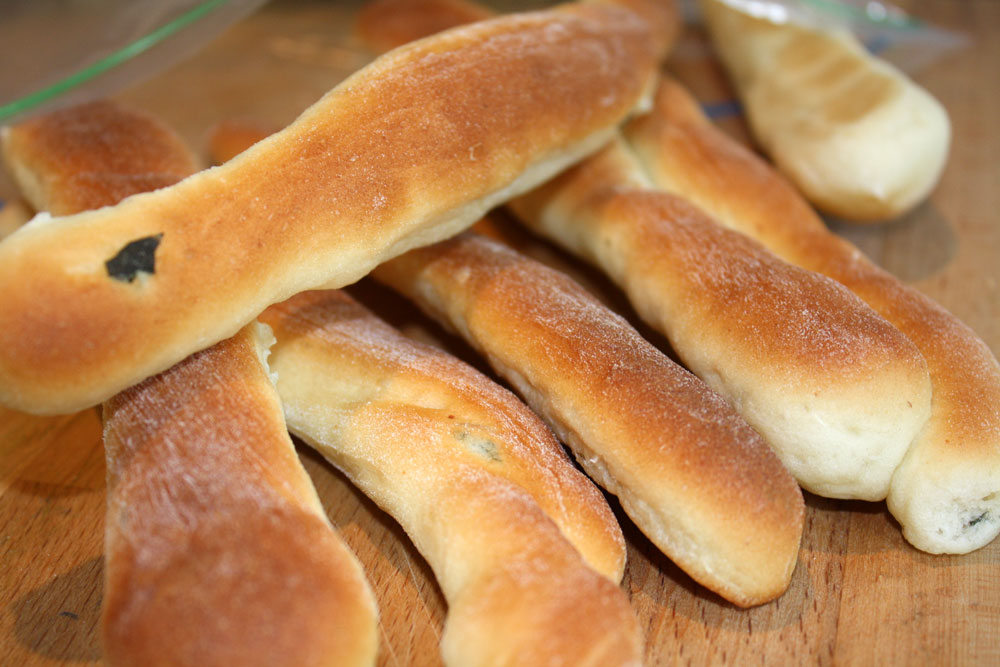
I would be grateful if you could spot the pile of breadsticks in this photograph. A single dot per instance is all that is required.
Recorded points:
(205, 316)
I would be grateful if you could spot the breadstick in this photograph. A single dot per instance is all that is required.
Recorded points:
(218, 550)
(93, 155)
(409, 150)
(698, 481)
(946, 492)
(857, 136)
(834, 388)
(474, 478)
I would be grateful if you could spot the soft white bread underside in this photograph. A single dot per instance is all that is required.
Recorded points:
(409, 150)
(473, 477)
(859, 138)
(946, 492)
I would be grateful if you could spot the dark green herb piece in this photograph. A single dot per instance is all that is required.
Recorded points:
(136, 256)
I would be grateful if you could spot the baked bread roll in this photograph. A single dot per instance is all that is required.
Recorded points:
(473, 477)
(409, 150)
(92, 155)
(856, 136)
(946, 492)
(698, 481)
(836, 390)
(217, 548)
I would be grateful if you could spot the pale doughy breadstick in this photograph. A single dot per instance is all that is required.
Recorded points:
(699, 482)
(856, 135)
(946, 492)
(834, 388)
(409, 150)
(217, 549)
(475, 479)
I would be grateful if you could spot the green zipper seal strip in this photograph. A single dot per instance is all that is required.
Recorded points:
(904, 22)
(104, 64)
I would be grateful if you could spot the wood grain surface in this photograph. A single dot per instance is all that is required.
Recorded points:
(860, 593)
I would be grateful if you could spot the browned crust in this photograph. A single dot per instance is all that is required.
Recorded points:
(474, 478)
(93, 155)
(697, 479)
(956, 460)
(214, 531)
(407, 151)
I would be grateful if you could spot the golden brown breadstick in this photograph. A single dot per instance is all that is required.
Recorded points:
(409, 150)
(834, 388)
(93, 155)
(946, 493)
(856, 135)
(698, 481)
(217, 549)
(475, 479)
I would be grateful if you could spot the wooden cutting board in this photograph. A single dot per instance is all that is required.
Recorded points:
(860, 593)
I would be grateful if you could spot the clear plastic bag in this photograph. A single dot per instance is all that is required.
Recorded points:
(886, 30)
(59, 52)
